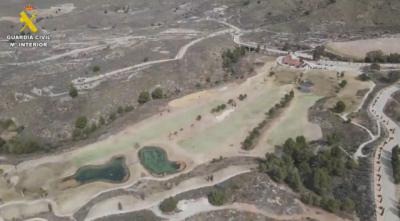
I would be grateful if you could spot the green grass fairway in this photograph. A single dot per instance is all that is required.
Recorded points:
(152, 129)
(236, 124)
(155, 160)
(295, 122)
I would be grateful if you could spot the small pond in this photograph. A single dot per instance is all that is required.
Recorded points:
(113, 171)
(155, 160)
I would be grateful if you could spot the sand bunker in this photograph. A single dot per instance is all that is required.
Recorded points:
(224, 114)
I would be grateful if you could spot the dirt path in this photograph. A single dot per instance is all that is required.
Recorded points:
(189, 208)
(90, 82)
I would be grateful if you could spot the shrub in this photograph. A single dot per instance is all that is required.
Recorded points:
(129, 108)
(96, 68)
(343, 83)
(363, 77)
(73, 92)
(112, 116)
(168, 205)
(23, 145)
(102, 121)
(120, 110)
(216, 197)
(157, 93)
(375, 66)
(339, 107)
(347, 205)
(330, 204)
(81, 122)
(242, 97)
(144, 97)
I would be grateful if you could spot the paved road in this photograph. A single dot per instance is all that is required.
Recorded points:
(385, 189)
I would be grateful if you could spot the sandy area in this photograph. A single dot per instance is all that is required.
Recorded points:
(191, 99)
(23, 210)
(359, 48)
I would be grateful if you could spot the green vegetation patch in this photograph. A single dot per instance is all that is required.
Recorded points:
(319, 176)
(113, 171)
(396, 163)
(168, 205)
(155, 160)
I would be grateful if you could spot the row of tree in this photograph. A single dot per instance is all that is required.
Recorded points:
(218, 108)
(310, 174)
(396, 163)
(251, 139)
(20, 144)
(379, 57)
(217, 197)
(146, 96)
(83, 128)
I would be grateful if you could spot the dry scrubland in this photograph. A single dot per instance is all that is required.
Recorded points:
(359, 48)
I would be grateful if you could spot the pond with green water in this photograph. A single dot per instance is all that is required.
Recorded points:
(155, 160)
(114, 171)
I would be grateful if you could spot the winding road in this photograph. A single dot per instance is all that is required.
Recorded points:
(384, 186)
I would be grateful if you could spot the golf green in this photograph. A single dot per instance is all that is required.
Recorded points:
(155, 160)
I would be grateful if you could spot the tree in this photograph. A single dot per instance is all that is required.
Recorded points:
(102, 121)
(81, 122)
(129, 108)
(375, 56)
(318, 52)
(157, 93)
(363, 77)
(168, 205)
(2, 142)
(73, 92)
(217, 197)
(96, 68)
(293, 179)
(93, 127)
(396, 163)
(330, 204)
(347, 205)
(339, 107)
(120, 110)
(113, 116)
(321, 181)
(375, 66)
(144, 97)
(23, 145)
